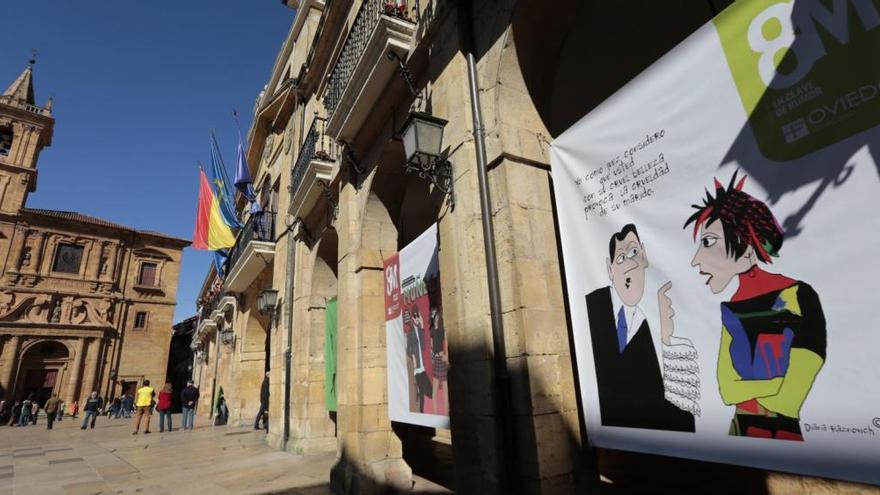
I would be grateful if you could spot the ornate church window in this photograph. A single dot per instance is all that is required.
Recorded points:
(67, 258)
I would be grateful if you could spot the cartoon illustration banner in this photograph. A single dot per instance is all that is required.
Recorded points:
(415, 336)
(718, 218)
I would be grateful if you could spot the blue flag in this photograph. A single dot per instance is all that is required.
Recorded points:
(243, 181)
(221, 256)
(221, 186)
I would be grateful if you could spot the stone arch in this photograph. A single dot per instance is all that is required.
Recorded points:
(324, 289)
(399, 208)
(569, 64)
(42, 369)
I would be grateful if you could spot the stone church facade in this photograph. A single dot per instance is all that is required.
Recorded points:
(85, 304)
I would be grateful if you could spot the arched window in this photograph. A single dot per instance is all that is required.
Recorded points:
(5, 141)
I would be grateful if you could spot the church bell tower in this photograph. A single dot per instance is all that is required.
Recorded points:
(25, 129)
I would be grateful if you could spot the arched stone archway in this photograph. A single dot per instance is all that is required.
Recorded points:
(571, 63)
(387, 212)
(43, 370)
(313, 418)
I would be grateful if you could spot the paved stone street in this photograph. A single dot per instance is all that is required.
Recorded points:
(109, 459)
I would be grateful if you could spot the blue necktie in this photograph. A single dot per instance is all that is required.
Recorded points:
(621, 329)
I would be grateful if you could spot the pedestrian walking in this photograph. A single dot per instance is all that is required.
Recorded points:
(91, 409)
(15, 413)
(189, 397)
(144, 406)
(61, 411)
(52, 406)
(74, 410)
(5, 411)
(127, 406)
(25, 415)
(264, 405)
(35, 409)
(117, 408)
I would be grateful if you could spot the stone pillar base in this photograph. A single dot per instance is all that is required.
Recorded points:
(274, 440)
(307, 446)
(388, 476)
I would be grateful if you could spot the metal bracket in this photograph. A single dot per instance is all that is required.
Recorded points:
(358, 170)
(404, 74)
(333, 212)
(304, 233)
(438, 172)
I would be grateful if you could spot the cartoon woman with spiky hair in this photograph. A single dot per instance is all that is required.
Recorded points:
(772, 330)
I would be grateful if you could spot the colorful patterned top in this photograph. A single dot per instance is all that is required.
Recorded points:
(773, 343)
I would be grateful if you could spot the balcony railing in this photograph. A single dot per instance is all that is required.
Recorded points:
(259, 227)
(365, 22)
(209, 305)
(8, 100)
(317, 145)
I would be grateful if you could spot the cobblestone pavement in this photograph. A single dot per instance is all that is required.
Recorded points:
(109, 459)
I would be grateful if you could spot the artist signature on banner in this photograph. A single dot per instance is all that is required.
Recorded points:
(857, 430)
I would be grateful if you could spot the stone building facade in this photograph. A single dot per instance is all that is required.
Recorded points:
(326, 146)
(85, 304)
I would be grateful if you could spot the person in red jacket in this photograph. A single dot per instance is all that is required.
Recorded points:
(164, 407)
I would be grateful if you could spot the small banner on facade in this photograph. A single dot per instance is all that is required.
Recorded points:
(416, 339)
(714, 216)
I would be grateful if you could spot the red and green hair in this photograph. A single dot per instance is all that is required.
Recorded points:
(746, 221)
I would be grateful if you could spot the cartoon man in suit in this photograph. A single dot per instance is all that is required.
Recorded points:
(634, 391)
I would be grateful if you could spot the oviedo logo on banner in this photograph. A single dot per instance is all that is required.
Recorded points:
(806, 70)
(392, 287)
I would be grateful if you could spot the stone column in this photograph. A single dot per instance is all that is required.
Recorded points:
(10, 359)
(92, 361)
(108, 253)
(371, 454)
(75, 373)
(18, 243)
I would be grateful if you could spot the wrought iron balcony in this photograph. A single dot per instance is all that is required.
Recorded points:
(313, 168)
(254, 245)
(208, 306)
(362, 69)
(317, 145)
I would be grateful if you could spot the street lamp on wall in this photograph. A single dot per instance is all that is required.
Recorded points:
(422, 142)
(267, 301)
(227, 336)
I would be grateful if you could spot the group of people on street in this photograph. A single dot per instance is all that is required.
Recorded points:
(121, 407)
(146, 399)
(24, 412)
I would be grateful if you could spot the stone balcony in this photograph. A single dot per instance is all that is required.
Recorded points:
(254, 250)
(363, 69)
(206, 328)
(227, 303)
(313, 169)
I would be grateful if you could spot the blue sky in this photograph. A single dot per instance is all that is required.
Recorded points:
(138, 86)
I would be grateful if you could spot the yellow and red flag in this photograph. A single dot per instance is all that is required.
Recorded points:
(211, 232)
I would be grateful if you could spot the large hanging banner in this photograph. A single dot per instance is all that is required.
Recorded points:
(717, 218)
(416, 339)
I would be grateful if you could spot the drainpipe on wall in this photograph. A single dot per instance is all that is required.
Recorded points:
(506, 445)
(288, 291)
(216, 367)
(288, 351)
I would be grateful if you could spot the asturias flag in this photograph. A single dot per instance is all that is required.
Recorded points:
(211, 232)
(221, 189)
